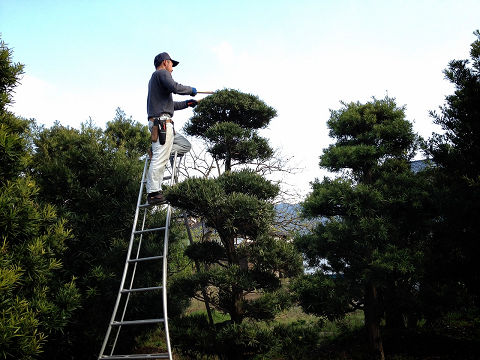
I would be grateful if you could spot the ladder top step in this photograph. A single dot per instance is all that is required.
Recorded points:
(136, 356)
(138, 322)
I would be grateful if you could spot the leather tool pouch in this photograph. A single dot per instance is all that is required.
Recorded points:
(154, 135)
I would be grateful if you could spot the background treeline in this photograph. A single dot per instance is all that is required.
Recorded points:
(394, 246)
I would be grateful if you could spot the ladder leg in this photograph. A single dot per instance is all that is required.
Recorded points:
(173, 180)
(129, 252)
(131, 283)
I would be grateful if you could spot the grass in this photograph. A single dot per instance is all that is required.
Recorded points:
(217, 316)
(152, 342)
(353, 321)
(330, 328)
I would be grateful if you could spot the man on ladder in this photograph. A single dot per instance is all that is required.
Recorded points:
(160, 108)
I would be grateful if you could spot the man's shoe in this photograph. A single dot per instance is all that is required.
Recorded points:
(156, 198)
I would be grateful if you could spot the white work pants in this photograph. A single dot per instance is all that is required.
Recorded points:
(161, 154)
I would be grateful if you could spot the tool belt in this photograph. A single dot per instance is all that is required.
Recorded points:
(159, 129)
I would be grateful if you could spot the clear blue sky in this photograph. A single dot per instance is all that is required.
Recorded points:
(86, 58)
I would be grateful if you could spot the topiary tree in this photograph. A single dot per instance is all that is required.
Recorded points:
(373, 222)
(241, 261)
(36, 298)
(229, 121)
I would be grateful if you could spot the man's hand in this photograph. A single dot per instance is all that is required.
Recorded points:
(194, 91)
(192, 103)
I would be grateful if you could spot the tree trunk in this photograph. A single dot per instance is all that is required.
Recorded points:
(237, 309)
(236, 306)
(394, 314)
(231, 252)
(228, 162)
(412, 321)
(372, 321)
(197, 267)
(394, 318)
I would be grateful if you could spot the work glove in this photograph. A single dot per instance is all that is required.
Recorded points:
(192, 103)
(194, 91)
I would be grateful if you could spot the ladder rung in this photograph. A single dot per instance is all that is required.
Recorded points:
(124, 291)
(136, 356)
(137, 322)
(145, 259)
(148, 230)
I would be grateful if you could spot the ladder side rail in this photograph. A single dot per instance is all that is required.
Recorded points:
(173, 180)
(131, 284)
(125, 270)
(164, 284)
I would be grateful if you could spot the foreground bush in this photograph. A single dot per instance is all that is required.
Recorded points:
(194, 338)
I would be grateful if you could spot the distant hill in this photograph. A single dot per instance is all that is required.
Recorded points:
(288, 220)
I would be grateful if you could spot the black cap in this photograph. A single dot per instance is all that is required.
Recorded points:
(163, 56)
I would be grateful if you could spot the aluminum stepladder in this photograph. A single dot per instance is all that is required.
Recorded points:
(118, 317)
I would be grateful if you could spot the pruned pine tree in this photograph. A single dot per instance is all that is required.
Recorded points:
(229, 121)
(36, 298)
(241, 261)
(366, 248)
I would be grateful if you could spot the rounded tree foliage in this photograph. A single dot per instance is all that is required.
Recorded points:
(367, 135)
(228, 120)
(244, 258)
(245, 110)
(235, 204)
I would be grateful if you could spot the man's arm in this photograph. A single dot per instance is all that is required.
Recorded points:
(180, 105)
(174, 87)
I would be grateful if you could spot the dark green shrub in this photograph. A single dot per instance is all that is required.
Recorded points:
(195, 338)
